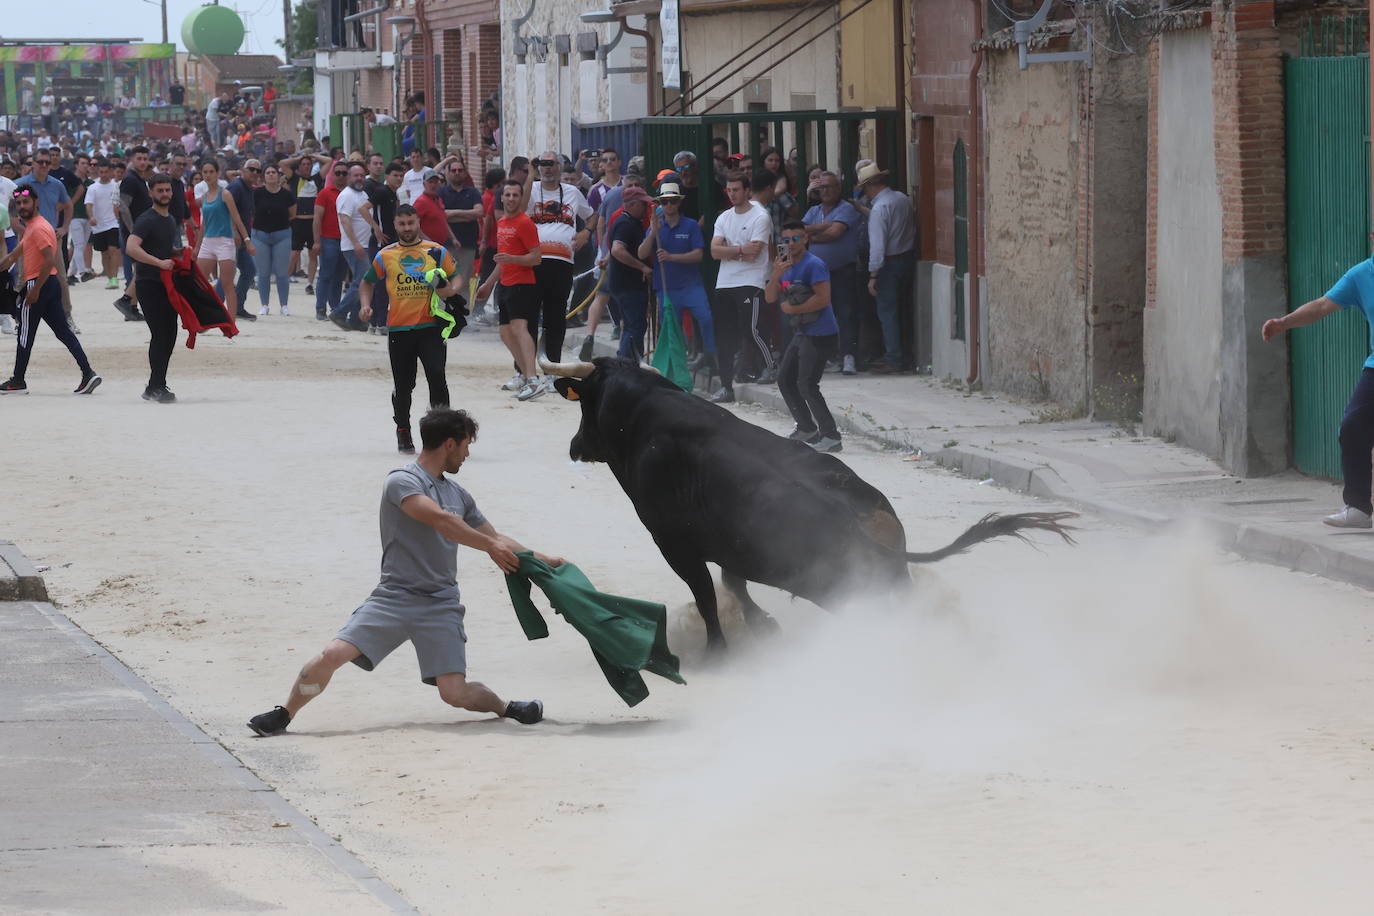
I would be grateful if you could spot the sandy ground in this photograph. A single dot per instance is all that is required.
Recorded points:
(1131, 725)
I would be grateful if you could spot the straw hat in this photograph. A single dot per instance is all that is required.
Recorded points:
(868, 173)
(669, 190)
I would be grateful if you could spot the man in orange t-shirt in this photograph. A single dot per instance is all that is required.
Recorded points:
(518, 305)
(42, 295)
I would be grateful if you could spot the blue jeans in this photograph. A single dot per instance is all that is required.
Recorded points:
(350, 303)
(894, 294)
(634, 315)
(693, 300)
(329, 276)
(271, 261)
(844, 301)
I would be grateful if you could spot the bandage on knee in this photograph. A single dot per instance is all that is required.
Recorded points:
(308, 690)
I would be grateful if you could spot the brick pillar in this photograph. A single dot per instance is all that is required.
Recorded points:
(453, 76)
(482, 80)
(1247, 96)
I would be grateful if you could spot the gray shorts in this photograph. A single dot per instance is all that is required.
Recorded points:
(389, 617)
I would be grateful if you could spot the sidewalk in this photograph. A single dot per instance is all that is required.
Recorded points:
(1098, 466)
(115, 803)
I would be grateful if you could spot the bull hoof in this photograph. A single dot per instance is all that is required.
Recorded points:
(715, 647)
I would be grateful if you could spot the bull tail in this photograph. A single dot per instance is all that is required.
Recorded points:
(994, 525)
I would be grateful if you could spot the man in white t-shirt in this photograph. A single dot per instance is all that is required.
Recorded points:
(356, 229)
(102, 203)
(6, 193)
(46, 103)
(555, 208)
(413, 184)
(740, 242)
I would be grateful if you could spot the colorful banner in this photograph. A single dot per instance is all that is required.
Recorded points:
(85, 53)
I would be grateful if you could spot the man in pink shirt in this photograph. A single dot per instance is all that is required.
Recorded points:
(41, 295)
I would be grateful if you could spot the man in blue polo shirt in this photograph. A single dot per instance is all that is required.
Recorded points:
(674, 248)
(832, 228)
(800, 285)
(1354, 290)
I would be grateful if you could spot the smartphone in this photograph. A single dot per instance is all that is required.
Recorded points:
(782, 251)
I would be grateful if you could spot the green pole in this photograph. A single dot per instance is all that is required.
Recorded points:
(11, 87)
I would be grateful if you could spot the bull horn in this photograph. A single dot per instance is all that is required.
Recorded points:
(648, 368)
(567, 370)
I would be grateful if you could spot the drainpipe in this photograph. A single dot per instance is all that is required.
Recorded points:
(975, 189)
(428, 69)
(650, 59)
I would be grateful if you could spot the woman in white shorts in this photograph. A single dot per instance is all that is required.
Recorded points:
(221, 232)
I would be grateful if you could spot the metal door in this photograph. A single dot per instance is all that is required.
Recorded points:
(1327, 115)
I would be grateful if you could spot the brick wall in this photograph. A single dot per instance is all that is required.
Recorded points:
(1247, 93)
(941, 58)
(481, 56)
(451, 47)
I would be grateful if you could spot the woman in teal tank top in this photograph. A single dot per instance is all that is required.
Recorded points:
(221, 232)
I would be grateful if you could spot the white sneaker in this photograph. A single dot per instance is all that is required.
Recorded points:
(264, 311)
(531, 390)
(849, 368)
(285, 312)
(6, 324)
(546, 382)
(1349, 517)
(71, 323)
(514, 383)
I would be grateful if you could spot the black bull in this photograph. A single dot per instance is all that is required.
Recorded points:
(712, 488)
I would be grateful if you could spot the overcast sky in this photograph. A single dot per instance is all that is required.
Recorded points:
(136, 19)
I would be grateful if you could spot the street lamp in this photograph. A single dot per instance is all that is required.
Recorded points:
(399, 43)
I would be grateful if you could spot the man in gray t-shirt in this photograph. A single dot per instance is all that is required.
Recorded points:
(424, 517)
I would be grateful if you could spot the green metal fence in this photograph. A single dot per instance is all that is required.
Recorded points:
(1327, 115)
(386, 138)
(835, 140)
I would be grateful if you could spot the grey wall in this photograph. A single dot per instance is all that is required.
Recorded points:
(1037, 337)
(949, 356)
(1183, 331)
(1118, 185)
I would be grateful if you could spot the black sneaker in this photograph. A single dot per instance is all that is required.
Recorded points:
(321, 316)
(310, 289)
(126, 308)
(245, 315)
(162, 395)
(14, 386)
(723, 396)
(87, 276)
(357, 325)
(585, 354)
(340, 320)
(526, 712)
(404, 443)
(803, 435)
(89, 382)
(270, 723)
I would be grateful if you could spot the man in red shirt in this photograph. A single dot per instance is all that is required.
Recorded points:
(517, 304)
(42, 295)
(429, 206)
(328, 255)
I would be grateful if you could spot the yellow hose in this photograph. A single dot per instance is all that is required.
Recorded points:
(590, 296)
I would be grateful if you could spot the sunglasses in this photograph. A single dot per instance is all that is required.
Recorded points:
(340, 173)
(252, 169)
(793, 238)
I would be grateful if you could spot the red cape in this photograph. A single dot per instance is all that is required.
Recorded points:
(195, 300)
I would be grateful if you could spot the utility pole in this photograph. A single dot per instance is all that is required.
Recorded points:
(286, 28)
(164, 22)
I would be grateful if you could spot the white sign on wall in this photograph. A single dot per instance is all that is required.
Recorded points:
(672, 45)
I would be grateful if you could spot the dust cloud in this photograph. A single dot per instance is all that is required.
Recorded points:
(1112, 672)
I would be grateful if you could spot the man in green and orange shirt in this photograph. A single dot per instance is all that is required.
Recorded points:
(413, 332)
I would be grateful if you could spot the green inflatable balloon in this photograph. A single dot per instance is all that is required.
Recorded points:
(212, 30)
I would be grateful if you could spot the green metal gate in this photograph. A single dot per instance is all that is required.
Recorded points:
(1327, 127)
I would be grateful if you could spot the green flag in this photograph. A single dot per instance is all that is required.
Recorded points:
(670, 353)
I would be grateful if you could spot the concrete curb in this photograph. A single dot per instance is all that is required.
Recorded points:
(1068, 483)
(19, 581)
(221, 757)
